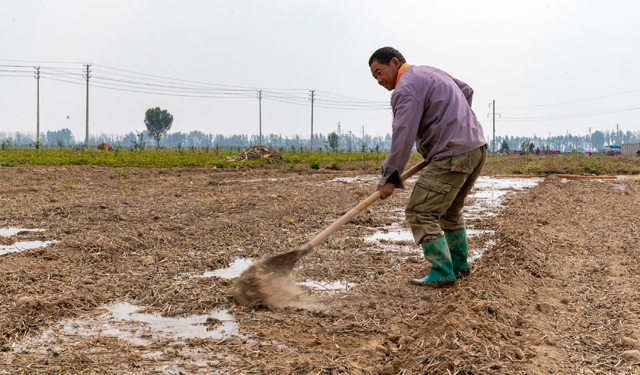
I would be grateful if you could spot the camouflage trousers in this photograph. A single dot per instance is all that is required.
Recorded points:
(437, 199)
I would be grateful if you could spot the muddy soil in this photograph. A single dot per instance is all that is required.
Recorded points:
(557, 290)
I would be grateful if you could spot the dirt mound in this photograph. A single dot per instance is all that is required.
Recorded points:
(256, 153)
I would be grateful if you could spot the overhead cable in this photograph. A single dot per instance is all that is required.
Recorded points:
(574, 101)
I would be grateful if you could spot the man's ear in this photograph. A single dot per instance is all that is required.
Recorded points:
(396, 63)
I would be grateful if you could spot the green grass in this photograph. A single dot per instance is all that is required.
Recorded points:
(190, 159)
(123, 158)
(369, 162)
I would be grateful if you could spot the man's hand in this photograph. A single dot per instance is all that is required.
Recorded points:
(386, 190)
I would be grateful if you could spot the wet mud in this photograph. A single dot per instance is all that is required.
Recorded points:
(131, 284)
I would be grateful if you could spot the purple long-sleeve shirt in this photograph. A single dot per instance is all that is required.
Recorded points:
(432, 109)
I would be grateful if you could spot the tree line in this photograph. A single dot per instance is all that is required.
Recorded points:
(328, 142)
(570, 142)
(158, 123)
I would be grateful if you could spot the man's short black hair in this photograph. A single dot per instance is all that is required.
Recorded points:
(385, 54)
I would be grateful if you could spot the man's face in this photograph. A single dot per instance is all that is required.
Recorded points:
(386, 75)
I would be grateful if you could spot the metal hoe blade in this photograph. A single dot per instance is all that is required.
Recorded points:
(283, 263)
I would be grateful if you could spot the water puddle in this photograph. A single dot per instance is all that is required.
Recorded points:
(391, 233)
(10, 231)
(122, 321)
(335, 286)
(235, 269)
(475, 254)
(488, 193)
(485, 200)
(397, 234)
(268, 179)
(367, 178)
(21, 245)
(479, 232)
(356, 179)
(619, 187)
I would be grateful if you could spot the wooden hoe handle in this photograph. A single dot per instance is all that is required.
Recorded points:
(357, 209)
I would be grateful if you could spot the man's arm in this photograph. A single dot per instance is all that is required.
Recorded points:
(466, 90)
(408, 113)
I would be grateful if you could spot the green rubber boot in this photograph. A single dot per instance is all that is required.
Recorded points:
(457, 241)
(437, 252)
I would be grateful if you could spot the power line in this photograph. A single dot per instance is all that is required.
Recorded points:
(575, 115)
(574, 101)
(139, 91)
(174, 79)
(169, 86)
(150, 88)
(126, 80)
(286, 95)
(15, 71)
(44, 62)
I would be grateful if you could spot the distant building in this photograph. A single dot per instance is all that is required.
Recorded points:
(630, 149)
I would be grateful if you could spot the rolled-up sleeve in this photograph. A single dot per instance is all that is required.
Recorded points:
(407, 116)
(466, 90)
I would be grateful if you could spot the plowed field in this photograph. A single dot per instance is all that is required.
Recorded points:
(556, 291)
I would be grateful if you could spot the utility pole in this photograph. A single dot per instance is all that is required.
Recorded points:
(87, 76)
(493, 147)
(493, 106)
(349, 141)
(260, 113)
(617, 135)
(312, 97)
(362, 136)
(38, 109)
(590, 139)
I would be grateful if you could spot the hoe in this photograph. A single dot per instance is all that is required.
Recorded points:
(262, 279)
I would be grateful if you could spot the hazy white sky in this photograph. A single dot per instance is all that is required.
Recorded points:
(519, 53)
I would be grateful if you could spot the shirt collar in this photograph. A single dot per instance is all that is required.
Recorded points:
(400, 71)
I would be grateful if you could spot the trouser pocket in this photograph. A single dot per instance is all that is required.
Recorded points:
(428, 194)
(464, 163)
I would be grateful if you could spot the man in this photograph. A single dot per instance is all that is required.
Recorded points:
(432, 110)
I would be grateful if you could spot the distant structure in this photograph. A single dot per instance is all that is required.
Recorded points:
(339, 131)
(630, 149)
(612, 150)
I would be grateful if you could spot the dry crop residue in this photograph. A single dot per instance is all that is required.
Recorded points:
(256, 153)
(557, 293)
